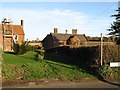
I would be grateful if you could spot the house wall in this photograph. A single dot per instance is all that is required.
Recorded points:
(48, 42)
(20, 39)
(62, 43)
(7, 44)
(8, 40)
(83, 43)
(35, 44)
(55, 43)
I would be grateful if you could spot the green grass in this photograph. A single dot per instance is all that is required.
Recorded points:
(19, 59)
(45, 69)
(24, 67)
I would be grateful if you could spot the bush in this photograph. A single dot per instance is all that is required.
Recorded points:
(40, 55)
(106, 71)
(110, 54)
(23, 48)
(16, 48)
(77, 56)
(113, 53)
(117, 40)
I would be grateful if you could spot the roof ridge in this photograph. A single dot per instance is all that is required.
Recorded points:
(65, 34)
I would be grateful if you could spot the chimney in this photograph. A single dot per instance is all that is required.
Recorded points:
(22, 22)
(55, 30)
(66, 31)
(74, 31)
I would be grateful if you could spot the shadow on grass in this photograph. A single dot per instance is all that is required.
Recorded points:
(10, 53)
(82, 58)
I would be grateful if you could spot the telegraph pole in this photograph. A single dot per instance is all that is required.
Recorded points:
(101, 49)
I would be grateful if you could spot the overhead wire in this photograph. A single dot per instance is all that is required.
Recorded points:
(99, 14)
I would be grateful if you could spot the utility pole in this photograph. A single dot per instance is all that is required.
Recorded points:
(101, 49)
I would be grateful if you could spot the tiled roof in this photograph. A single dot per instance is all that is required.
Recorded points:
(17, 29)
(59, 36)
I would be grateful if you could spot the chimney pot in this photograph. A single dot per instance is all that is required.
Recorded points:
(22, 22)
(74, 31)
(55, 30)
(66, 31)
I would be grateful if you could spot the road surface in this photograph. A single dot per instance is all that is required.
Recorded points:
(64, 84)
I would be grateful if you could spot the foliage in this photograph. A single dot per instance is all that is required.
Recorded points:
(22, 48)
(107, 72)
(82, 56)
(115, 27)
(118, 41)
(1, 52)
(16, 48)
(40, 54)
(112, 53)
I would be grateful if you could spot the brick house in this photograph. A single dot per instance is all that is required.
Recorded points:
(9, 34)
(58, 39)
(37, 44)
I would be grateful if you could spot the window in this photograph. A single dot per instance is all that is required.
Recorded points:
(61, 43)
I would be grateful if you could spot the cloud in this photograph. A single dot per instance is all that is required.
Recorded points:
(39, 23)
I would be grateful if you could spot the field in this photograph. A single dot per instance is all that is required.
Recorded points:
(25, 67)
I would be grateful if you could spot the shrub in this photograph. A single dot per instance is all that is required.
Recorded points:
(16, 48)
(40, 54)
(113, 53)
(23, 48)
(106, 71)
(76, 56)
(110, 54)
(117, 40)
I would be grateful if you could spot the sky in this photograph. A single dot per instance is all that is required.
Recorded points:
(40, 18)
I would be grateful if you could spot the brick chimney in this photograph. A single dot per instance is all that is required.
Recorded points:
(66, 31)
(22, 22)
(74, 31)
(55, 30)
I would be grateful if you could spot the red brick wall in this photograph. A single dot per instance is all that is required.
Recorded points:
(1, 37)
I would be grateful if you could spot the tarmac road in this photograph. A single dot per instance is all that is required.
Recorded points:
(67, 84)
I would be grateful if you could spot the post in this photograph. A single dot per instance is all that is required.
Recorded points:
(101, 49)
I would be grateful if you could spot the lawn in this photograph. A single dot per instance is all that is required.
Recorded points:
(28, 57)
(24, 67)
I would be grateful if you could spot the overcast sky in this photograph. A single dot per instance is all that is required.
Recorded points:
(90, 18)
